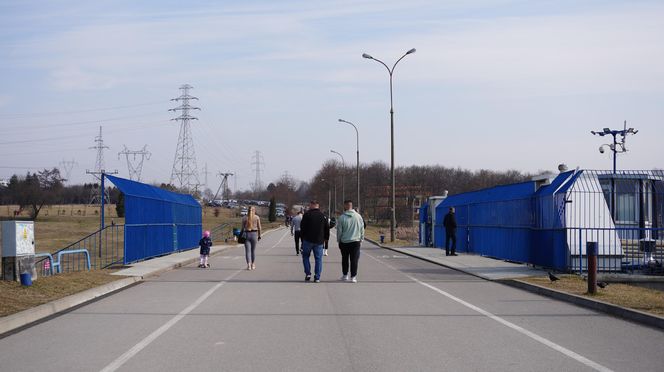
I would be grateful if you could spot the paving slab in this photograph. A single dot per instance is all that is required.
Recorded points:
(483, 267)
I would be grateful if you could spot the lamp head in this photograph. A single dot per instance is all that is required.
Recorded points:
(607, 130)
(364, 55)
(411, 51)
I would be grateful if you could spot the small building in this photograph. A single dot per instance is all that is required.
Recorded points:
(547, 221)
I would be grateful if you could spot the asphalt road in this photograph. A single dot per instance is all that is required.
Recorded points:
(403, 315)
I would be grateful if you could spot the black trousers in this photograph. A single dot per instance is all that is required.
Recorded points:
(450, 236)
(350, 254)
(298, 239)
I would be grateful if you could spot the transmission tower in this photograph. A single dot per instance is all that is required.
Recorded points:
(223, 186)
(257, 165)
(136, 167)
(95, 193)
(67, 166)
(185, 172)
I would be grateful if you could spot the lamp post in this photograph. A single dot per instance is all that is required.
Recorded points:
(391, 72)
(343, 182)
(357, 139)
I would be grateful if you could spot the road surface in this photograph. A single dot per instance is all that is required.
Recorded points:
(404, 314)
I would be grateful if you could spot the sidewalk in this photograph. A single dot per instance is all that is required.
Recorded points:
(480, 266)
(509, 273)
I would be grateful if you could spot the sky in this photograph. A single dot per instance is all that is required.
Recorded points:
(500, 84)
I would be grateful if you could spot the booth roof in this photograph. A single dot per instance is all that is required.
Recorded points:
(142, 190)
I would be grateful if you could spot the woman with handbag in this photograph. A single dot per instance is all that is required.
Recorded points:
(251, 227)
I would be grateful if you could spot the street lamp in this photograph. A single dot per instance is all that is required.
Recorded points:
(357, 138)
(391, 72)
(343, 171)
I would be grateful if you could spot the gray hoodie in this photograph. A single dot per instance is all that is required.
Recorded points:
(350, 227)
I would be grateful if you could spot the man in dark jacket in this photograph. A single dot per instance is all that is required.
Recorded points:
(450, 232)
(314, 230)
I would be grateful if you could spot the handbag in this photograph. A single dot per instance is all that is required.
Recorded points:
(242, 237)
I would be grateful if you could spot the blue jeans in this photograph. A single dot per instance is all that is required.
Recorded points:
(307, 247)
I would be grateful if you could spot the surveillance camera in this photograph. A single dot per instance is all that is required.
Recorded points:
(601, 149)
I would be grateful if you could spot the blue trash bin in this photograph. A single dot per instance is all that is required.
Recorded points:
(236, 231)
(26, 279)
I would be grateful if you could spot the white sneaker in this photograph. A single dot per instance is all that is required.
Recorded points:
(325, 252)
(344, 278)
(353, 279)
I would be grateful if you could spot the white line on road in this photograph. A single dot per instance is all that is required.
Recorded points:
(122, 359)
(534, 336)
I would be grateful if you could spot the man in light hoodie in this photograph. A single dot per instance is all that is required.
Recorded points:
(350, 233)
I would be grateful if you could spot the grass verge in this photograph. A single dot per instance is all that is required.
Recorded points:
(405, 237)
(15, 298)
(643, 299)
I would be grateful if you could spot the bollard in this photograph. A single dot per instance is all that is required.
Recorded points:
(591, 257)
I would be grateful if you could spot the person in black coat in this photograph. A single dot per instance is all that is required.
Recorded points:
(315, 231)
(450, 224)
(205, 243)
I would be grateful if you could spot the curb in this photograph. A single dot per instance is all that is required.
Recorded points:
(26, 318)
(600, 306)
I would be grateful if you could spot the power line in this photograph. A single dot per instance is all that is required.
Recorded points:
(258, 166)
(67, 166)
(184, 169)
(36, 114)
(135, 167)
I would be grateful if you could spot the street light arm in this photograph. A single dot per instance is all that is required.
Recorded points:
(402, 57)
(383, 63)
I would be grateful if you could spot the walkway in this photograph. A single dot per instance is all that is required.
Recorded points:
(405, 314)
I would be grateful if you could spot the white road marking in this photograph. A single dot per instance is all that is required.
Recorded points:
(567, 352)
(122, 359)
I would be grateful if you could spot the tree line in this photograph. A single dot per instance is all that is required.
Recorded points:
(330, 184)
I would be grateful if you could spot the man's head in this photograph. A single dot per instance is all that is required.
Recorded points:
(451, 209)
(348, 205)
(314, 204)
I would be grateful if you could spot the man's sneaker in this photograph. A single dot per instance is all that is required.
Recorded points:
(324, 252)
(344, 278)
(353, 279)
(316, 280)
(307, 278)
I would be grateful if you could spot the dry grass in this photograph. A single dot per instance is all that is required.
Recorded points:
(632, 297)
(405, 237)
(15, 298)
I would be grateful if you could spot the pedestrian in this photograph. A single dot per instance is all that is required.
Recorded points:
(315, 230)
(295, 231)
(350, 233)
(251, 224)
(450, 224)
(205, 243)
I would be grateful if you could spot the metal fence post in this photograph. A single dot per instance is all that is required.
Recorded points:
(591, 257)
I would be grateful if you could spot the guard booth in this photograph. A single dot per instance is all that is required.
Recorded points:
(429, 221)
(18, 249)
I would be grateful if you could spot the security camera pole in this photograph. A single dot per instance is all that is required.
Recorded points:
(614, 146)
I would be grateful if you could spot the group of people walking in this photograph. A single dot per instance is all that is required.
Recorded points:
(311, 231)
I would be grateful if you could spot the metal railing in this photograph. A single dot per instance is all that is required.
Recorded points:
(105, 248)
(620, 249)
(223, 232)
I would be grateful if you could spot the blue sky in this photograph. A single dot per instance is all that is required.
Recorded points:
(494, 84)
